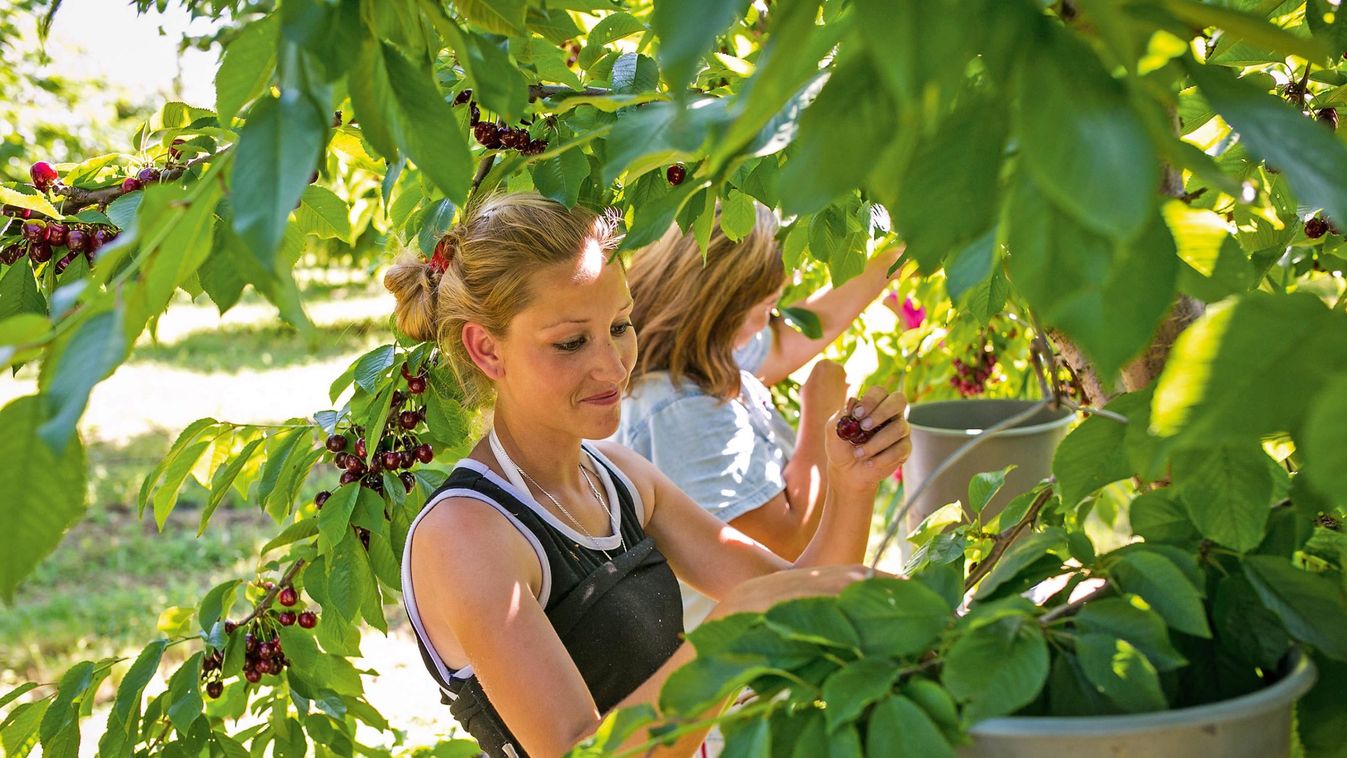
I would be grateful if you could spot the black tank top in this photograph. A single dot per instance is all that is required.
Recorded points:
(620, 620)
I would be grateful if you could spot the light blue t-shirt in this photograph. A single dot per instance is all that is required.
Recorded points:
(729, 456)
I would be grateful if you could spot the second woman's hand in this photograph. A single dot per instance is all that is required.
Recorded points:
(863, 466)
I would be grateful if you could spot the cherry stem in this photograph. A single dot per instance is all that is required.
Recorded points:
(270, 597)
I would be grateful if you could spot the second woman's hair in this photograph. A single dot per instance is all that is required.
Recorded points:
(689, 310)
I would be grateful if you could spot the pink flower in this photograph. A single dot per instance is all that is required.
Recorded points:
(912, 314)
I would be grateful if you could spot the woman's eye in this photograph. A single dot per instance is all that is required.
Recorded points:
(572, 345)
(621, 329)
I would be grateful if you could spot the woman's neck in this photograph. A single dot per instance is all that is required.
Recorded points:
(550, 456)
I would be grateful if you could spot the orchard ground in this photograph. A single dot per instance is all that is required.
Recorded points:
(100, 594)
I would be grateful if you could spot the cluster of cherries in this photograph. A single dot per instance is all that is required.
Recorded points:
(262, 651)
(849, 427)
(397, 447)
(43, 241)
(971, 378)
(495, 136)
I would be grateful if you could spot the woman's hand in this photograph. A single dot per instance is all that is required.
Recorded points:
(825, 389)
(862, 467)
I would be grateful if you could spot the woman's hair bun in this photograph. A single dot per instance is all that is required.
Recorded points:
(414, 285)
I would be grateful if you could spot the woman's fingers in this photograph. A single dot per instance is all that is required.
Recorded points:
(895, 433)
(890, 407)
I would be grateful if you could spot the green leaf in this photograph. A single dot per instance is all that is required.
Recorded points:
(497, 82)
(495, 16)
(1159, 517)
(1246, 628)
(19, 736)
(46, 492)
(947, 197)
(1024, 554)
(804, 321)
(748, 738)
(738, 215)
(246, 67)
(984, 486)
(184, 694)
(33, 202)
(1108, 296)
(324, 215)
(634, 73)
(824, 165)
(19, 293)
(1312, 606)
(1089, 458)
(372, 99)
(898, 728)
(658, 134)
(118, 739)
(894, 617)
(96, 349)
(277, 151)
(1120, 672)
(216, 604)
(1325, 463)
(1281, 136)
(997, 668)
(848, 691)
(1142, 627)
(686, 32)
(1076, 125)
(334, 521)
(16, 693)
(302, 529)
(562, 177)
(707, 679)
(1165, 587)
(224, 478)
(344, 577)
(1226, 490)
(64, 710)
(427, 130)
(814, 619)
(610, 28)
(1249, 368)
(371, 366)
(1248, 27)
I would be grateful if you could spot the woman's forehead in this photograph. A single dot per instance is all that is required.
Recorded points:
(578, 290)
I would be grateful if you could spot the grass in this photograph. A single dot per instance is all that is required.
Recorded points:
(234, 348)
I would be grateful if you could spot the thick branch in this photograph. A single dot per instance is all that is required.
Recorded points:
(77, 199)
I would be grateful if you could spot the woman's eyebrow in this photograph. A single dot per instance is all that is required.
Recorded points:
(630, 303)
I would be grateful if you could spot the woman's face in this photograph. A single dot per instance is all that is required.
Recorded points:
(758, 317)
(568, 355)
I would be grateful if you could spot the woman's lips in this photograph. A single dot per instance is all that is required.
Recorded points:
(607, 398)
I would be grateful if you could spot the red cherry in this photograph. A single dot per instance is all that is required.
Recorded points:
(349, 476)
(392, 460)
(409, 419)
(287, 618)
(321, 498)
(308, 619)
(173, 151)
(408, 458)
(34, 231)
(336, 443)
(11, 255)
(130, 184)
(43, 175)
(230, 626)
(148, 175)
(214, 689)
(408, 480)
(39, 252)
(463, 97)
(64, 262)
(1315, 228)
(77, 240)
(360, 449)
(416, 385)
(253, 676)
(676, 173)
(425, 453)
(288, 597)
(56, 234)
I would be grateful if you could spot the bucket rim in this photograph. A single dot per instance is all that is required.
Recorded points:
(1066, 417)
(1285, 691)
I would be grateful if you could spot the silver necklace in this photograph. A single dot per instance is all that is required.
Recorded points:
(568, 514)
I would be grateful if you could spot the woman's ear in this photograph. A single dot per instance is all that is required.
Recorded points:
(484, 350)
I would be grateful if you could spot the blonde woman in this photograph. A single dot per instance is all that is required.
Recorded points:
(699, 407)
(540, 577)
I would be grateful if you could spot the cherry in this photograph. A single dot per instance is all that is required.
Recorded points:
(56, 234)
(487, 134)
(337, 443)
(349, 476)
(1328, 116)
(253, 676)
(308, 619)
(1315, 228)
(849, 429)
(40, 252)
(34, 231)
(416, 385)
(360, 449)
(148, 175)
(514, 139)
(408, 458)
(287, 618)
(215, 689)
(77, 240)
(408, 480)
(373, 481)
(264, 666)
(101, 237)
(43, 175)
(173, 152)
(463, 97)
(321, 498)
(65, 261)
(409, 419)
(208, 663)
(130, 184)
(676, 173)
(10, 255)
(406, 374)
(288, 597)
(353, 463)
(425, 453)
(474, 114)
(536, 147)
(392, 460)
(230, 626)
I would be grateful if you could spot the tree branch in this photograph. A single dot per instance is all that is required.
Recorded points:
(1070, 608)
(77, 199)
(270, 597)
(1004, 540)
